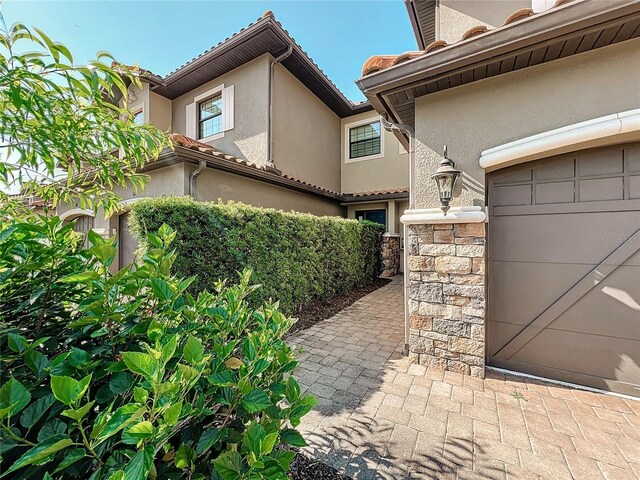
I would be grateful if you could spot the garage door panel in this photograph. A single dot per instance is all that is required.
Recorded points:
(605, 357)
(499, 334)
(592, 314)
(541, 282)
(585, 238)
(563, 273)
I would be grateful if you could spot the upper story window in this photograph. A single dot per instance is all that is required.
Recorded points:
(138, 117)
(364, 140)
(210, 116)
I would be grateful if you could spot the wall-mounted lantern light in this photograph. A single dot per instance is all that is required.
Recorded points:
(445, 178)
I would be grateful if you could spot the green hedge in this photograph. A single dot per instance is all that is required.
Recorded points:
(296, 257)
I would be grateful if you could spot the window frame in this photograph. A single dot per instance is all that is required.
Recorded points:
(199, 99)
(365, 210)
(137, 111)
(347, 139)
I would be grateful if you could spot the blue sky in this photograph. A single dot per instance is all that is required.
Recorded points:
(160, 36)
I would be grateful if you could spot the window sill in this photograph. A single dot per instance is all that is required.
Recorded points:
(211, 138)
(363, 159)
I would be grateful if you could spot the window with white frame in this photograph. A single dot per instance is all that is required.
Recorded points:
(211, 114)
(138, 116)
(363, 140)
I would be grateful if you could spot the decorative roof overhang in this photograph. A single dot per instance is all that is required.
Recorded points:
(422, 14)
(266, 35)
(566, 30)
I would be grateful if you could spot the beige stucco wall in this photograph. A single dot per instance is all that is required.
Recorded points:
(389, 171)
(214, 184)
(491, 112)
(248, 138)
(163, 182)
(159, 112)
(458, 16)
(306, 133)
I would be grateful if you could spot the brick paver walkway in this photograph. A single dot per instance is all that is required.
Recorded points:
(380, 417)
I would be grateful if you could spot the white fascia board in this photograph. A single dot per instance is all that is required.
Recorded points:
(470, 214)
(561, 140)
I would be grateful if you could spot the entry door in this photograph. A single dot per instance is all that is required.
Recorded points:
(564, 268)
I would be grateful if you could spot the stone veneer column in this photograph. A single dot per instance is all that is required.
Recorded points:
(390, 254)
(447, 295)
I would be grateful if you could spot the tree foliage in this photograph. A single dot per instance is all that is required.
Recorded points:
(63, 135)
(142, 380)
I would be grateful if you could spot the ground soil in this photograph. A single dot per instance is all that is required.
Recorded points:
(317, 311)
(304, 467)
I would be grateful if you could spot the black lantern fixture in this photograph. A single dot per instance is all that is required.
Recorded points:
(445, 178)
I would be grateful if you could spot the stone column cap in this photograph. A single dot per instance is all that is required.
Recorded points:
(466, 214)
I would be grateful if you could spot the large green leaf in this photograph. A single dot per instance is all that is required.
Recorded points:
(193, 350)
(229, 465)
(40, 452)
(161, 289)
(292, 437)
(121, 418)
(35, 411)
(208, 439)
(70, 458)
(172, 414)
(140, 465)
(69, 390)
(256, 401)
(121, 382)
(141, 430)
(82, 277)
(13, 398)
(185, 456)
(252, 438)
(141, 363)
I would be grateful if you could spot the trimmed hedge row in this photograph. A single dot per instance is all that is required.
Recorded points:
(296, 257)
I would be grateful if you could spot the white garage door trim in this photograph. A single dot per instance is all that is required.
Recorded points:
(603, 130)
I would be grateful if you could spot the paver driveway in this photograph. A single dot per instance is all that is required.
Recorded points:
(381, 417)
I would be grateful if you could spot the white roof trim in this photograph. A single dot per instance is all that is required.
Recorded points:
(435, 216)
(600, 131)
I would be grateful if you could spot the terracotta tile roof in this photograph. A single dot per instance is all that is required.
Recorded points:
(388, 191)
(192, 144)
(382, 62)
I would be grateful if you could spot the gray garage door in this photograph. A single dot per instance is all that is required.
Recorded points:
(564, 268)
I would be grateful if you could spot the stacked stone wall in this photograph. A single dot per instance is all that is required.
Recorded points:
(390, 255)
(447, 296)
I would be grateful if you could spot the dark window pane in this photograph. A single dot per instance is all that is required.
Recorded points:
(364, 140)
(377, 216)
(210, 116)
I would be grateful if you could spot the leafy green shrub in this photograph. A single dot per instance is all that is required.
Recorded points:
(295, 257)
(130, 376)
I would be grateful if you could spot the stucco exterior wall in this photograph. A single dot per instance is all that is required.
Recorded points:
(163, 181)
(458, 16)
(491, 112)
(159, 112)
(248, 138)
(389, 171)
(213, 185)
(306, 133)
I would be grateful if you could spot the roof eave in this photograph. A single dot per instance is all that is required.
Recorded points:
(415, 23)
(554, 23)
